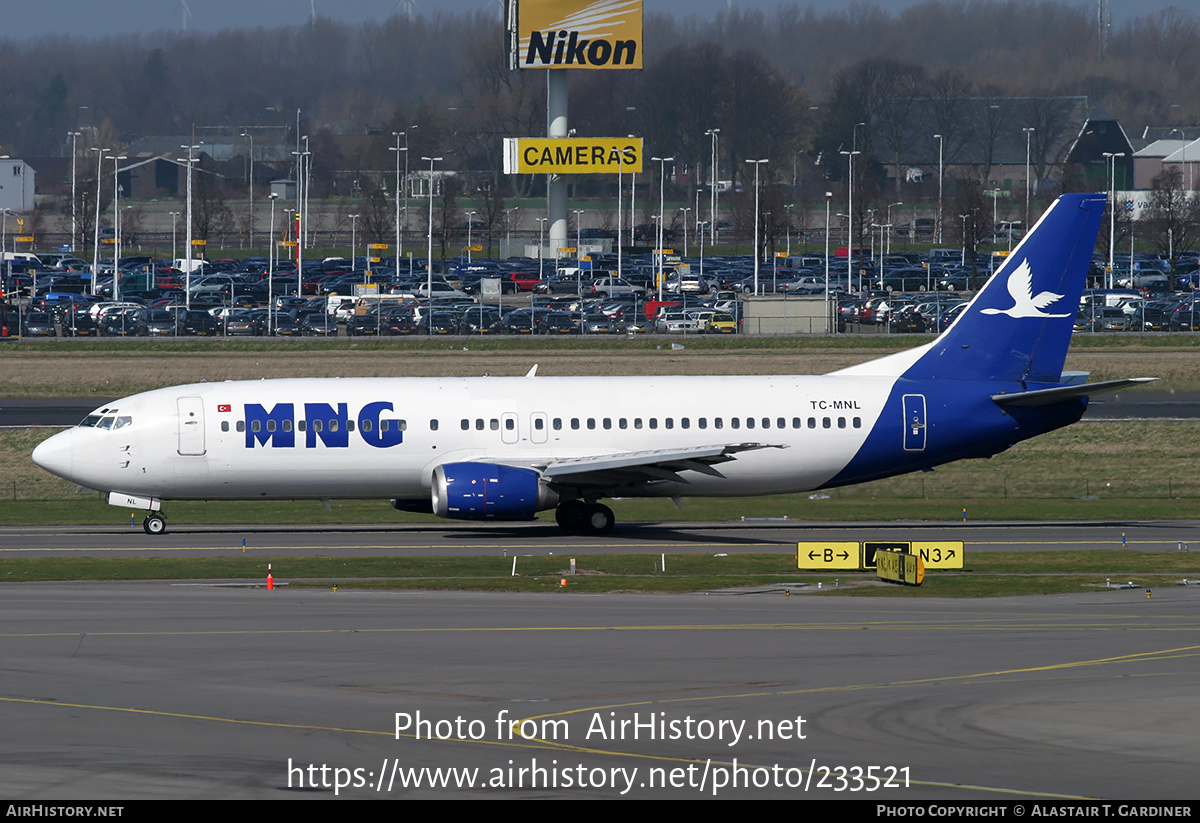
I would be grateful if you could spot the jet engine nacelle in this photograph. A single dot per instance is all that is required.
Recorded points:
(489, 491)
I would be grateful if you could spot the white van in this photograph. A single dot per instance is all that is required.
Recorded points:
(181, 263)
(340, 307)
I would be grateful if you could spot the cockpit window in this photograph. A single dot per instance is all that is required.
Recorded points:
(105, 419)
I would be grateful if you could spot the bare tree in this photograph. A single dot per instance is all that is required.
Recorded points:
(445, 215)
(1172, 215)
(973, 219)
(491, 210)
(378, 215)
(211, 215)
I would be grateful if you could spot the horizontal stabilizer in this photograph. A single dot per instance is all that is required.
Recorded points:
(1060, 394)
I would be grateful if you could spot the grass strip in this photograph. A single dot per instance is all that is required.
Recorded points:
(989, 574)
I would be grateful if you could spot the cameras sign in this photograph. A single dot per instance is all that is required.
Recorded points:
(566, 155)
(574, 34)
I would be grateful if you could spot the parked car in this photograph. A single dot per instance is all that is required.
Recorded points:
(39, 324)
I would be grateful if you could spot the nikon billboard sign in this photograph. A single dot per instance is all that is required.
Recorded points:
(567, 155)
(574, 34)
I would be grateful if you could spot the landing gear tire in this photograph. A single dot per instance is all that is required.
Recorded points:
(578, 517)
(572, 516)
(154, 524)
(600, 519)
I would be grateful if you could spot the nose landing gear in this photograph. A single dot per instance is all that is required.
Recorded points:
(155, 523)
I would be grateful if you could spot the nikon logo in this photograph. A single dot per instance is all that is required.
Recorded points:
(567, 48)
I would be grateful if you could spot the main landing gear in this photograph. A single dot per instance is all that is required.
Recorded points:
(579, 517)
(155, 523)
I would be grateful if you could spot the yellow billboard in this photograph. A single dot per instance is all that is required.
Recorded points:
(575, 34)
(572, 155)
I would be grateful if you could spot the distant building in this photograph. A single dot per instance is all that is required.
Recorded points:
(160, 177)
(16, 185)
(1183, 155)
(285, 190)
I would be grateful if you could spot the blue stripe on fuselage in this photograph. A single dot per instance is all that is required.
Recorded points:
(961, 421)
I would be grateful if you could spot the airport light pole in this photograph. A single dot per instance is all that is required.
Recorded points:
(429, 251)
(964, 239)
(757, 261)
(271, 266)
(685, 210)
(250, 137)
(508, 224)
(1008, 227)
(632, 206)
(620, 215)
(1028, 134)
(96, 225)
(578, 235)
(1111, 159)
(116, 229)
(74, 221)
(400, 150)
(788, 227)
(941, 178)
(470, 219)
(306, 159)
(187, 252)
(712, 187)
(889, 219)
(541, 233)
(828, 200)
(6, 266)
(174, 245)
(995, 195)
(885, 231)
(353, 239)
(292, 223)
(850, 221)
(662, 188)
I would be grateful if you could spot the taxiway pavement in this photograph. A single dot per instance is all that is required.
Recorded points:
(154, 690)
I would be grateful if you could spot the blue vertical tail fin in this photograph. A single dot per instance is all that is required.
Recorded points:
(1018, 327)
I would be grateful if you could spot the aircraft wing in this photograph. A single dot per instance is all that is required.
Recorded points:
(625, 468)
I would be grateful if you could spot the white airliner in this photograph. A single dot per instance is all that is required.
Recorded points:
(505, 448)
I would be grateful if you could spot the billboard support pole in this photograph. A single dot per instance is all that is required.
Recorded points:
(556, 184)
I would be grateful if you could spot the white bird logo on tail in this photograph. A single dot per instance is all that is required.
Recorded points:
(1020, 286)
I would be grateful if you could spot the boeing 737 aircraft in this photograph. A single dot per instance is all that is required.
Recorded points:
(505, 448)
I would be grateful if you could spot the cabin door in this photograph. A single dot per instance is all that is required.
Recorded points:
(191, 425)
(914, 422)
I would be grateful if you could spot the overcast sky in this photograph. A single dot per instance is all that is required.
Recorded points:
(106, 17)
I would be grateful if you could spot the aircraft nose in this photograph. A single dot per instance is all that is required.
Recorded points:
(55, 453)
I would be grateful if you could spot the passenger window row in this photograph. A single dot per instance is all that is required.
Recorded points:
(592, 423)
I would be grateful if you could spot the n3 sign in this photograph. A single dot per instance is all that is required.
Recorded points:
(934, 554)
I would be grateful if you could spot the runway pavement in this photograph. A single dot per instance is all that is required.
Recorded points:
(152, 690)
